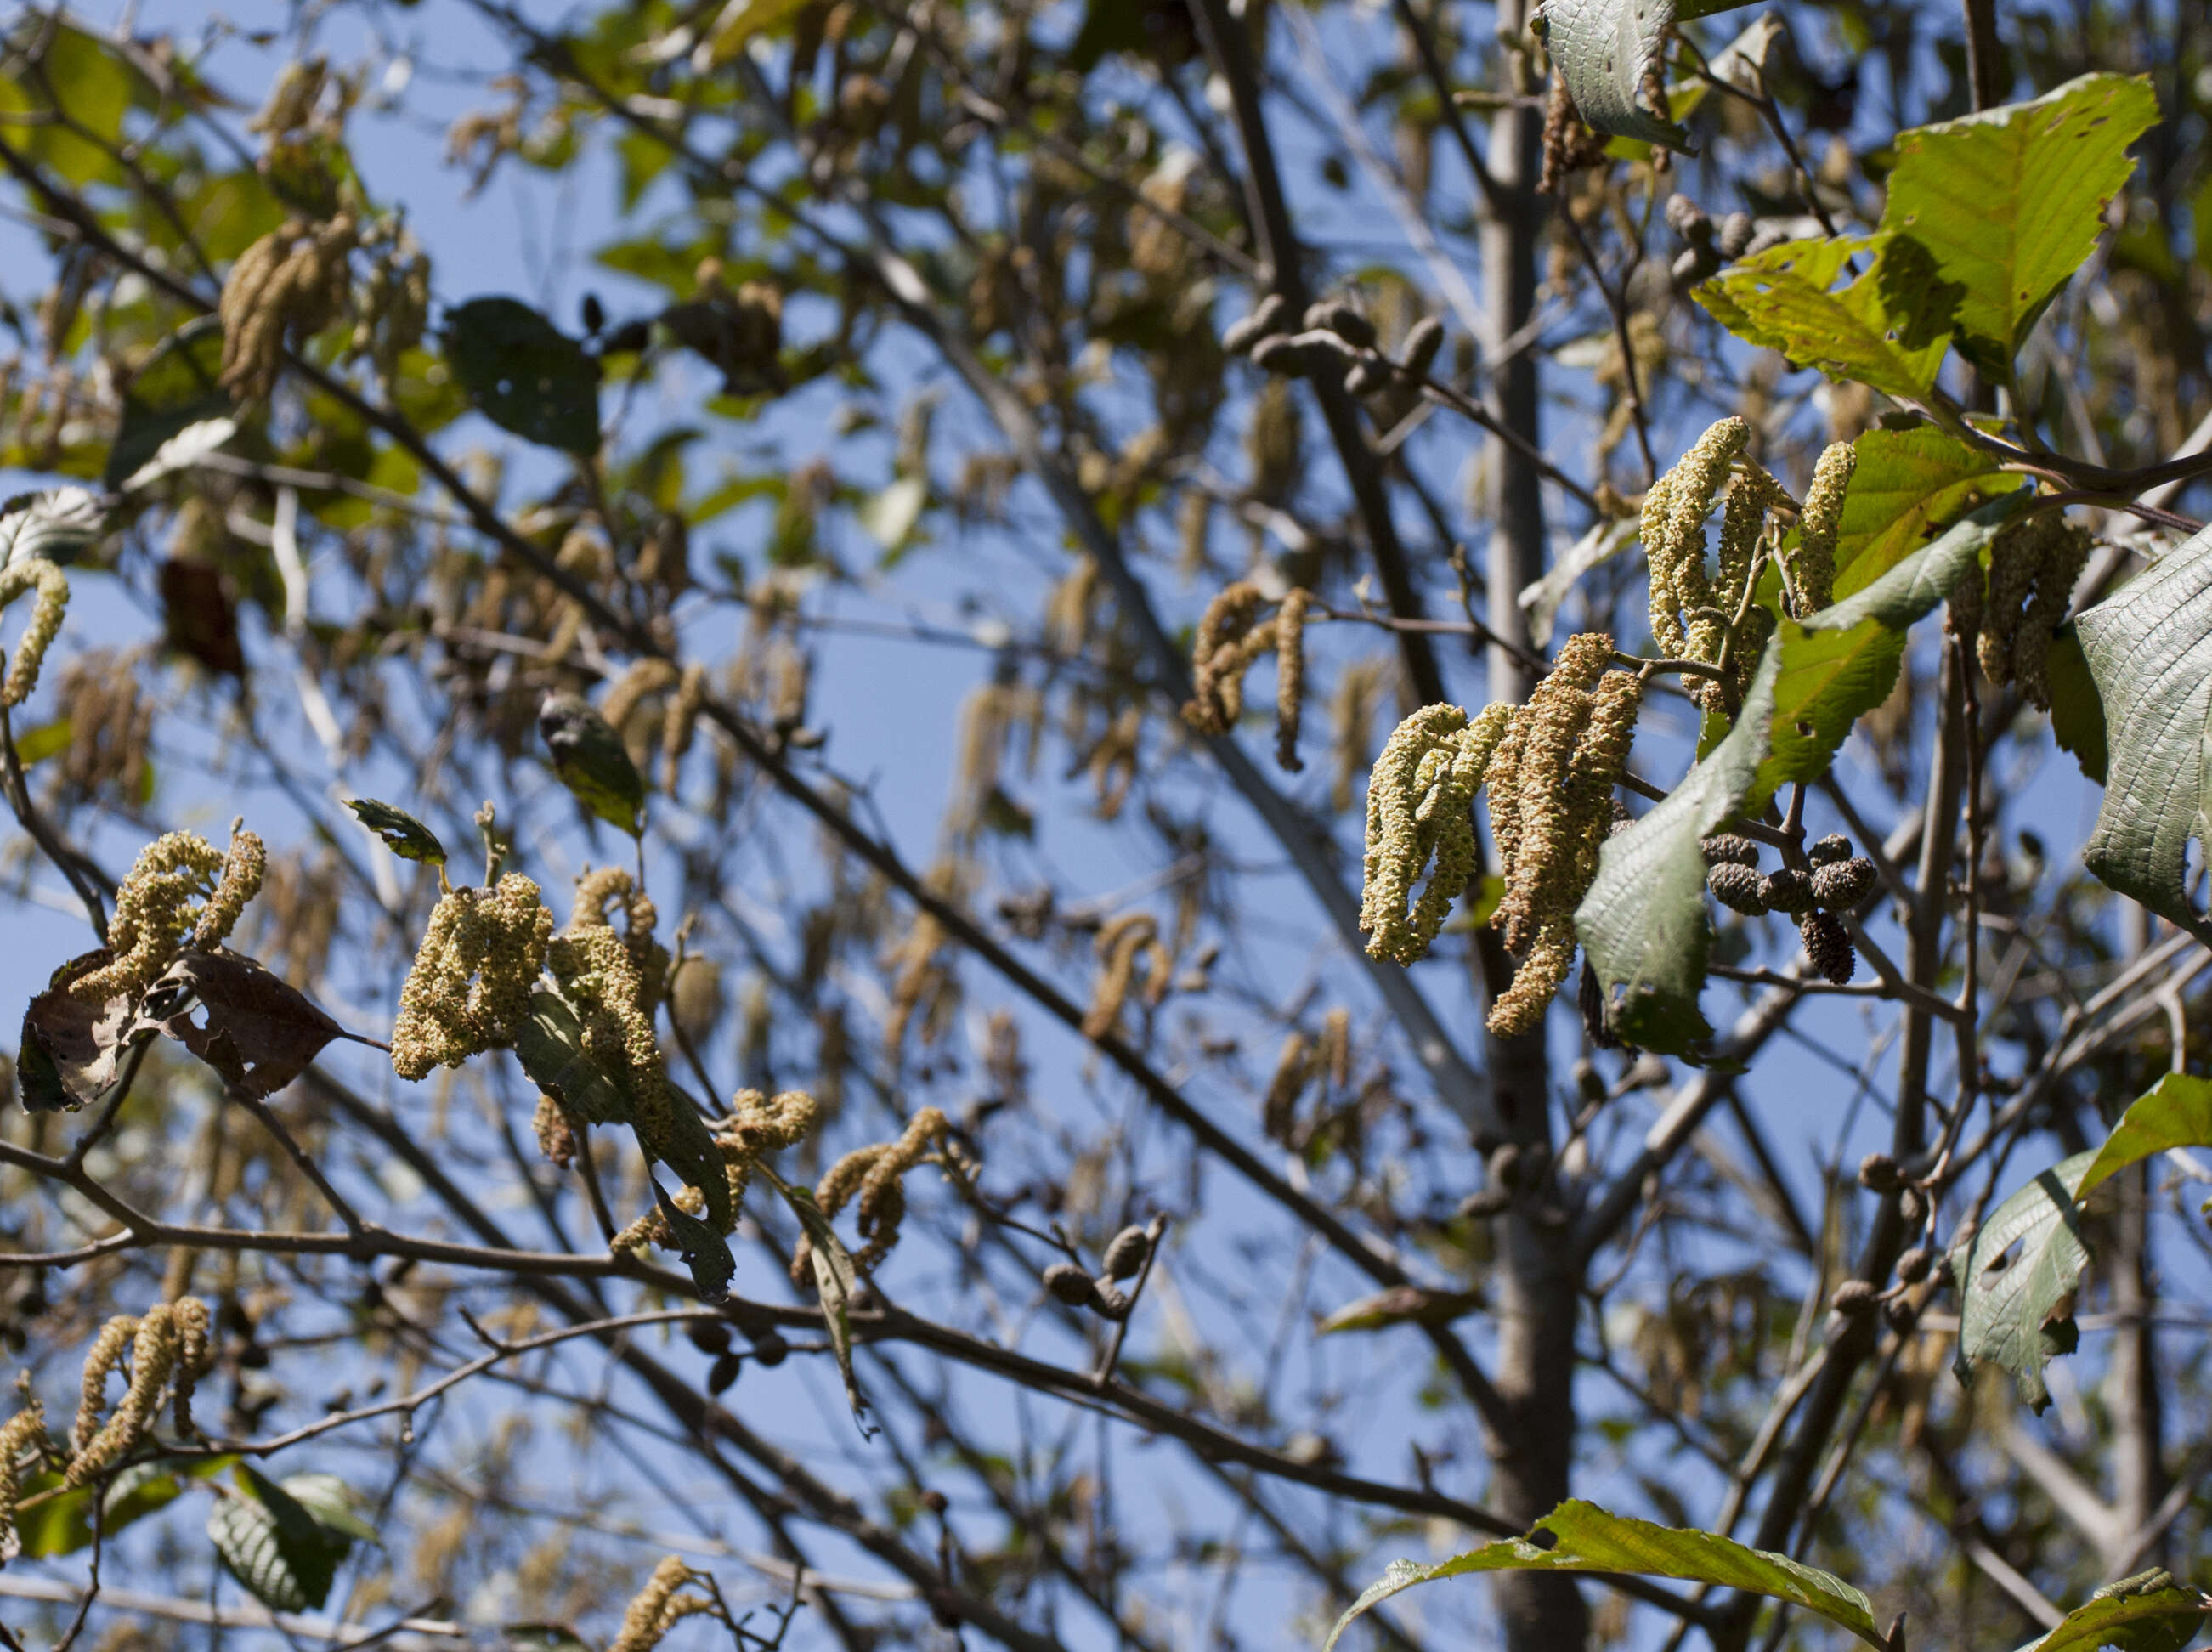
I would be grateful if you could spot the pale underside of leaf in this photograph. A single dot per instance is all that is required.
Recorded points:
(2149, 651)
(1602, 50)
(2016, 1310)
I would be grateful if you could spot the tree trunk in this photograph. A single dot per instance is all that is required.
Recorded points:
(1538, 1284)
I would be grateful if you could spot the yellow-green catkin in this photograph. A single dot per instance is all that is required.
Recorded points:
(18, 1434)
(1556, 796)
(1419, 808)
(243, 869)
(168, 1345)
(1121, 944)
(615, 982)
(874, 1174)
(470, 988)
(2034, 564)
(1674, 512)
(155, 906)
(658, 1607)
(1813, 569)
(32, 573)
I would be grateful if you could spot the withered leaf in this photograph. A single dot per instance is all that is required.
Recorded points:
(253, 1028)
(200, 617)
(72, 1048)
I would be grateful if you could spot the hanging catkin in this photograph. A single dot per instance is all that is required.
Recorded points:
(32, 573)
(1420, 802)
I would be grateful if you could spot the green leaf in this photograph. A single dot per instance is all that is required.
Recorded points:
(1907, 484)
(94, 85)
(550, 1044)
(705, 1253)
(1886, 330)
(35, 746)
(176, 389)
(2017, 1309)
(1842, 662)
(836, 1279)
(56, 1518)
(2009, 203)
(1401, 1304)
(332, 1503)
(739, 22)
(1643, 923)
(550, 1637)
(2145, 1619)
(524, 374)
(2149, 651)
(590, 760)
(2077, 716)
(1585, 1538)
(274, 1545)
(405, 835)
(1603, 50)
(2175, 1112)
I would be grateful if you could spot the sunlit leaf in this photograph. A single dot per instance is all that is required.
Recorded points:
(2175, 1112)
(1887, 328)
(2148, 1618)
(1585, 1538)
(1603, 50)
(2008, 201)
(836, 1279)
(405, 835)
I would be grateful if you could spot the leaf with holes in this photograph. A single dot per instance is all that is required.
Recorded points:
(706, 1253)
(1604, 50)
(524, 374)
(1842, 662)
(72, 1047)
(1585, 1538)
(255, 1028)
(2009, 203)
(2017, 1308)
(405, 835)
(1643, 924)
(273, 1542)
(2149, 651)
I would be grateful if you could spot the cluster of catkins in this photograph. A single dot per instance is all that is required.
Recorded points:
(659, 1607)
(1124, 944)
(1551, 767)
(1125, 1258)
(2034, 563)
(1231, 637)
(1335, 342)
(163, 1355)
(1708, 616)
(469, 990)
(181, 890)
(1838, 884)
(873, 1173)
(294, 279)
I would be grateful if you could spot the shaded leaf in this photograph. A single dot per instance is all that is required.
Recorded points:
(254, 1027)
(1885, 330)
(2008, 203)
(71, 1048)
(177, 389)
(1585, 1538)
(2151, 1620)
(199, 618)
(272, 1543)
(56, 526)
(550, 1044)
(836, 1279)
(56, 1517)
(2017, 1309)
(1399, 1305)
(405, 835)
(589, 759)
(2148, 647)
(2175, 1112)
(2077, 716)
(1643, 924)
(705, 1252)
(524, 374)
(1603, 50)
(332, 1503)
